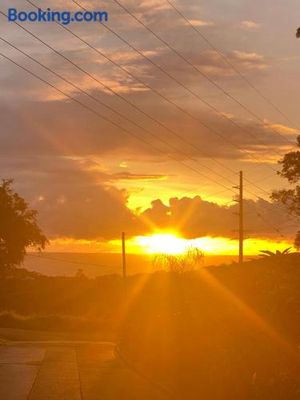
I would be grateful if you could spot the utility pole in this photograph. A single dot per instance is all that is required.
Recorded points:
(124, 255)
(241, 219)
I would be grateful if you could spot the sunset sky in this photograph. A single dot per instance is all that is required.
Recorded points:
(90, 180)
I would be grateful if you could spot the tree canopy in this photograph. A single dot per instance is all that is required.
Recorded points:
(19, 229)
(291, 197)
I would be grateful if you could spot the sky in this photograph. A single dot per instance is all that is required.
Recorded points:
(178, 126)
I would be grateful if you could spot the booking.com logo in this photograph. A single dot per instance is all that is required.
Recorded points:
(64, 17)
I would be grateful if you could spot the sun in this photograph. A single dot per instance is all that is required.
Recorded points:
(162, 243)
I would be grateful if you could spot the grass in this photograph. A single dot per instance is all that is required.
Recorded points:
(35, 302)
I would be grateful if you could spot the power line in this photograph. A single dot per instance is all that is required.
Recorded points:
(172, 131)
(33, 59)
(126, 118)
(110, 108)
(95, 112)
(130, 133)
(175, 80)
(197, 69)
(70, 261)
(289, 219)
(99, 101)
(96, 99)
(234, 68)
(81, 103)
(268, 223)
(103, 104)
(171, 77)
(219, 87)
(156, 92)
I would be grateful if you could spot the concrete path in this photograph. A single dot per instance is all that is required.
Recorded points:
(68, 371)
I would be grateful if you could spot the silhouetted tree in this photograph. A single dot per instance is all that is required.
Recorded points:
(291, 197)
(18, 227)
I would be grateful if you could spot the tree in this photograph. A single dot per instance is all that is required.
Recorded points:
(18, 227)
(291, 197)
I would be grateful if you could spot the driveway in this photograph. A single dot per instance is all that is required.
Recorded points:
(66, 370)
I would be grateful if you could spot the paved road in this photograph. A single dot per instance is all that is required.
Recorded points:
(68, 371)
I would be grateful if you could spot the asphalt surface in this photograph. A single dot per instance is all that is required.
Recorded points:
(66, 370)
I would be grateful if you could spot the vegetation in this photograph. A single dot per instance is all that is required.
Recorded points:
(216, 332)
(75, 304)
(277, 253)
(179, 263)
(219, 333)
(18, 229)
(291, 197)
(226, 332)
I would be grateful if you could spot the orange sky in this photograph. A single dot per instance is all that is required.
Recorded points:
(178, 126)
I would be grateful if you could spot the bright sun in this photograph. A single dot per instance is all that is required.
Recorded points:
(172, 243)
(165, 243)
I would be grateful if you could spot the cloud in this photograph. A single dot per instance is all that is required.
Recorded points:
(76, 200)
(282, 129)
(62, 155)
(73, 201)
(210, 62)
(195, 217)
(213, 64)
(201, 23)
(110, 75)
(66, 129)
(249, 61)
(149, 5)
(127, 176)
(250, 25)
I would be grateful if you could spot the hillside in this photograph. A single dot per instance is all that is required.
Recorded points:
(224, 332)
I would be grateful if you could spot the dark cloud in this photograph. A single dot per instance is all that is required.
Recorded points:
(72, 200)
(75, 200)
(195, 217)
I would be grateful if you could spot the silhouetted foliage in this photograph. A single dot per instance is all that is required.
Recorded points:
(221, 332)
(291, 197)
(216, 333)
(18, 227)
(277, 253)
(179, 263)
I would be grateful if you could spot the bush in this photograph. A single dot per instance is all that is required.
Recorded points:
(179, 263)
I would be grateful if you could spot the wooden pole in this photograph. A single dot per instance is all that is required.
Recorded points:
(124, 255)
(241, 219)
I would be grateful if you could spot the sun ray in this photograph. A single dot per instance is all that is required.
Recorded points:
(247, 312)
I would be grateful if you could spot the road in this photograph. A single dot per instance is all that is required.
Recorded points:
(65, 370)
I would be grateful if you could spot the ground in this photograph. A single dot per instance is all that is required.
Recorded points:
(52, 368)
(219, 333)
